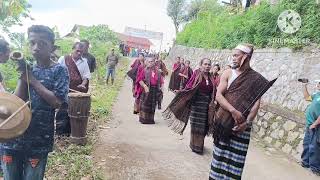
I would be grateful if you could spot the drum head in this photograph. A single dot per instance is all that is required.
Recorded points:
(79, 94)
(9, 104)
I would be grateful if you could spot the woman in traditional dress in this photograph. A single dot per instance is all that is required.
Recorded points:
(185, 74)
(196, 102)
(132, 73)
(214, 70)
(175, 79)
(149, 89)
(137, 66)
(161, 66)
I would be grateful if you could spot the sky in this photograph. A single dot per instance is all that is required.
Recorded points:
(117, 14)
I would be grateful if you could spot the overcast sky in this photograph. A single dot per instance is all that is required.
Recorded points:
(149, 14)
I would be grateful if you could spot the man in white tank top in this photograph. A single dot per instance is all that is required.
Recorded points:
(232, 135)
(240, 62)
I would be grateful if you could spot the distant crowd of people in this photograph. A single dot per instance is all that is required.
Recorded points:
(134, 52)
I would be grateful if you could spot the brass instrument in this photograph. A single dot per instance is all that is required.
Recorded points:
(23, 64)
(16, 56)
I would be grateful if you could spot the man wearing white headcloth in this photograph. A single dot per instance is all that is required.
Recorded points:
(238, 88)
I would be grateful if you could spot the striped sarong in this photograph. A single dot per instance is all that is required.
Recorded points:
(199, 121)
(148, 103)
(228, 159)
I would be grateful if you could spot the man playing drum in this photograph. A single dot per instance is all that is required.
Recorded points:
(79, 73)
(78, 68)
(25, 157)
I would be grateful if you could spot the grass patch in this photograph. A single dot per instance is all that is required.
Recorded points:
(71, 162)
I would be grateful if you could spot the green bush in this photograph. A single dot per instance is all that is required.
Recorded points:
(218, 27)
(10, 75)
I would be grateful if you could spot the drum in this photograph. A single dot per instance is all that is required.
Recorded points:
(79, 111)
(15, 116)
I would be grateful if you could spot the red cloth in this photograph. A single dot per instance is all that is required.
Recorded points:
(74, 74)
(192, 79)
(176, 66)
(137, 87)
(142, 77)
(206, 88)
(216, 80)
(154, 78)
(135, 63)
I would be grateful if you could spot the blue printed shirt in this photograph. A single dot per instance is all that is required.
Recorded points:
(39, 136)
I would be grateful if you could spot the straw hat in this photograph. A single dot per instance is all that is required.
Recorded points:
(15, 127)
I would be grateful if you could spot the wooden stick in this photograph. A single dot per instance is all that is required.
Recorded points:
(75, 91)
(14, 114)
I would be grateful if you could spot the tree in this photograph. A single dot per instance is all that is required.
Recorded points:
(176, 10)
(11, 12)
(193, 9)
(102, 40)
(18, 39)
(100, 33)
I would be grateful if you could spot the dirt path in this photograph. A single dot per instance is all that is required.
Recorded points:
(130, 150)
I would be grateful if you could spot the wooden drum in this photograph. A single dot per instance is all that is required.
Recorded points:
(79, 111)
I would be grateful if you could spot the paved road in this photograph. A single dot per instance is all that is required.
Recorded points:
(130, 150)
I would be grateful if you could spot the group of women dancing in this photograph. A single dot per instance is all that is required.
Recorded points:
(147, 75)
(194, 91)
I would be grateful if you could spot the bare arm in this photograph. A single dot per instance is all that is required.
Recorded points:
(142, 84)
(145, 87)
(305, 92)
(85, 82)
(236, 115)
(221, 90)
(21, 90)
(180, 74)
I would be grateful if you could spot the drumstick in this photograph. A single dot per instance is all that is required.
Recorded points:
(75, 91)
(14, 114)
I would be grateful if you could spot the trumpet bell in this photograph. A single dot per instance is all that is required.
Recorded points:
(16, 56)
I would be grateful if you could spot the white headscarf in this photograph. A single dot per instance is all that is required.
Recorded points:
(244, 48)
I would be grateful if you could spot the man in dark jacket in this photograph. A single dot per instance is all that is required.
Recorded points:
(90, 58)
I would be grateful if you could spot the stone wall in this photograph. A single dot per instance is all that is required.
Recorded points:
(280, 122)
(286, 92)
(280, 129)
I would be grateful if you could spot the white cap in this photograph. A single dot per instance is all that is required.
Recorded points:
(244, 48)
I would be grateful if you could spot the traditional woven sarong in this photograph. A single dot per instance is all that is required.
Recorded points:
(199, 121)
(175, 79)
(229, 159)
(178, 111)
(148, 105)
(136, 106)
(188, 72)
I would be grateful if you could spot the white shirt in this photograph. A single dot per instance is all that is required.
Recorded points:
(2, 87)
(234, 76)
(82, 65)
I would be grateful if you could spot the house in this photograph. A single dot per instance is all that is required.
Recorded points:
(135, 42)
(75, 31)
